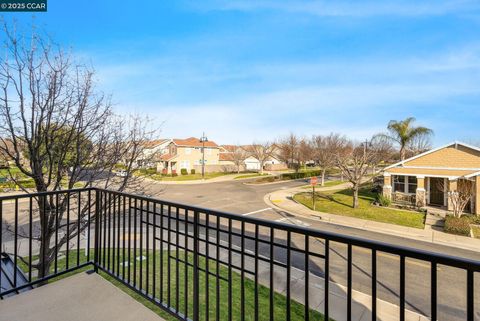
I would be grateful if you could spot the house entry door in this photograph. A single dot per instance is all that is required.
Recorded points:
(437, 191)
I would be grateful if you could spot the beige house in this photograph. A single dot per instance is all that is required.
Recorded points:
(428, 178)
(151, 151)
(187, 154)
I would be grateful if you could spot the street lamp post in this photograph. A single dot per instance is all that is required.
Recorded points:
(203, 139)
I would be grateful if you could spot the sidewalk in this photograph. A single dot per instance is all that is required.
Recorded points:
(283, 200)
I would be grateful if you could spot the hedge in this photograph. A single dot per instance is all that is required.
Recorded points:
(301, 174)
(458, 225)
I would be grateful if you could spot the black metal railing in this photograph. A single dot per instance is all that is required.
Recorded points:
(200, 264)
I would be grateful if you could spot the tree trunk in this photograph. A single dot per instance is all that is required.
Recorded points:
(323, 177)
(355, 196)
(44, 260)
(402, 153)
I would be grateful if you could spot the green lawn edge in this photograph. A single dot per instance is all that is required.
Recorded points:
(339, 202)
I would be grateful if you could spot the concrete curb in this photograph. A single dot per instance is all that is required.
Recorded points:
(432, 236)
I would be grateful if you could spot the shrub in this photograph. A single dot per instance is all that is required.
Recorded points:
(457, 225)
(383, 200)
(301, 174)
(183, 171)
(192, 171)
(120, 167)
(174, 174)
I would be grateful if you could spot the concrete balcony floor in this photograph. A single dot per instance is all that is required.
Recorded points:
(79, 297)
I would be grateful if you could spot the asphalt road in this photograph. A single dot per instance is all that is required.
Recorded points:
(236, 197)
(239, 198)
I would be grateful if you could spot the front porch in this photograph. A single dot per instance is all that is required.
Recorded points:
(167, 167)
(426, 191)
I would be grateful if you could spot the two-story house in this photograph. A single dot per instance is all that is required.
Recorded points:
(187, 153)
(151, 151)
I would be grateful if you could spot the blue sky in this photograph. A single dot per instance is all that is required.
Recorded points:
(255, 70)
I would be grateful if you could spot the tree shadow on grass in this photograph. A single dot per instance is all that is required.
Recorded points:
(364, 194)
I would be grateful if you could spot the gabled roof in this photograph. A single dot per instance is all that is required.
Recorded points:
(225, 157)
(193, 142)
(154, 143)
(229, 148)
(166, 157)
(432, 151)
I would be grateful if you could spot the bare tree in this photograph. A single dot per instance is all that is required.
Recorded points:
(289, 151)
(262, 152)
(418, 145)
(354, 159)
(62, 133)
(305, 152)
(238, 156)
(461, 196)
(384, 150)
(324, 151)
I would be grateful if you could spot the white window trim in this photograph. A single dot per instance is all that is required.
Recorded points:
(405, 187)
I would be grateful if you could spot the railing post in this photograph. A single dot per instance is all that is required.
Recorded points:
(97, 229)
(196, 281)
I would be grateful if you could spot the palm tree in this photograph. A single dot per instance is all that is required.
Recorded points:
(404, 133)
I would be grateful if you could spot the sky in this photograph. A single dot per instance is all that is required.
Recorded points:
(244, 71)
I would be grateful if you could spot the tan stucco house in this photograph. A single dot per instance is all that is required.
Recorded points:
(426, 179)
(187, 153)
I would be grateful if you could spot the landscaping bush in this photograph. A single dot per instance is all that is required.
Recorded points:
(383, 200)
(120, 167)
(147, 171)
(301, 174)
(458, 225)
(184, 171)
(174, 174)
(192, 171)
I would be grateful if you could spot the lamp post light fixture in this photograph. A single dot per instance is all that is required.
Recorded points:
(203, 139)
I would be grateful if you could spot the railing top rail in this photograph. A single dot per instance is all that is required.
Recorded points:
(434, 257)
(439, 258)
(46, 193)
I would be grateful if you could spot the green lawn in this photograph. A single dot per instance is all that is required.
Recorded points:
(340, 202)
(327, 184)
(297, 309)
(476, 231)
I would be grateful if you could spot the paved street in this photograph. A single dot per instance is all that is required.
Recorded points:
(242, 199)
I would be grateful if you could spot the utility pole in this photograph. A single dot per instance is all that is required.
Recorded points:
(203, 139)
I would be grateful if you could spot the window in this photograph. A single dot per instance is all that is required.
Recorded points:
(185, 164)
(412, 184)
(405, 184)
(399, 184)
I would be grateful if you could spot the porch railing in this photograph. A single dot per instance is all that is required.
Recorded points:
(200, 264)
(403, 198)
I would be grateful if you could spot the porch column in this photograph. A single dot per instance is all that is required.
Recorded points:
(387, 185)
(420, 192)
(452, 186)
(477, 195)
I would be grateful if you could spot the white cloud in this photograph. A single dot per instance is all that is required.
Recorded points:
(355, 97)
